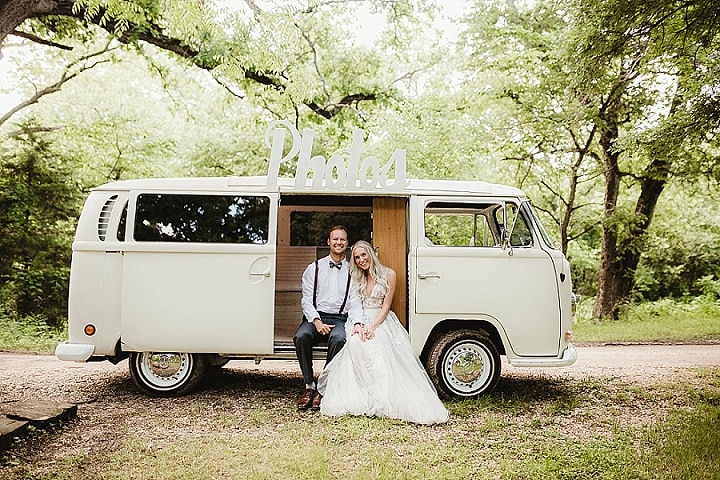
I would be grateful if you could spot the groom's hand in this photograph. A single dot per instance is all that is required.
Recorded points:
(322, 328)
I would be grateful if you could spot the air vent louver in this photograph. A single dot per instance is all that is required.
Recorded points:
(104, 220)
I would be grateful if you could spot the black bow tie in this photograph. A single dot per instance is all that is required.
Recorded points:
(338, 265)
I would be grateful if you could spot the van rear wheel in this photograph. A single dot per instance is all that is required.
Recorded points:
(464, 364)
(166, 374)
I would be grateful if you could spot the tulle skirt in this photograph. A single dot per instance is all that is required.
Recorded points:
(380, 377)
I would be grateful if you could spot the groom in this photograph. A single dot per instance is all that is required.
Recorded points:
(327, 304)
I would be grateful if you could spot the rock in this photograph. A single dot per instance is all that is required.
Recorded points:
(9, 430)
(39, 414)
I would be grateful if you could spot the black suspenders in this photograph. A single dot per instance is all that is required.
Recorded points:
(347, 289)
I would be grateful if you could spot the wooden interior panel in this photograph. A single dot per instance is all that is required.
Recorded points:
(290, 264)
(390, 240)
(288, 315)
(289, 267)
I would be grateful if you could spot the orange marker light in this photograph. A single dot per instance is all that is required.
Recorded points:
(89, 329)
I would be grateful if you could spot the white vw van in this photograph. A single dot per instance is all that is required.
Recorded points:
(183, 275)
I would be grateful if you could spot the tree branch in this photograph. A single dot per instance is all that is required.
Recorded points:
(153, 35)
(41, 41)
(64, 78)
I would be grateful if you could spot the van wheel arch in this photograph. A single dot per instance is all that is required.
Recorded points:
(463, 363)
(446, 326)
(167, 374)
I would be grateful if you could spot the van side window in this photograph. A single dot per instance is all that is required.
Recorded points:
(202, 218)
(462, 224)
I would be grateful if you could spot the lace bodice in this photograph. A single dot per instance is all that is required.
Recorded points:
(375, 299)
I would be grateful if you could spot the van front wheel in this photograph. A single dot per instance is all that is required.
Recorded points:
(166, 374)
(464, 364)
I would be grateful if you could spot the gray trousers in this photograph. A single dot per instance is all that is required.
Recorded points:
(307, 337)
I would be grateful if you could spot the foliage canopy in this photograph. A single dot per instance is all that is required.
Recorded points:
(606, 112)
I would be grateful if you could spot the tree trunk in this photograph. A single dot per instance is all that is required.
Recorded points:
(621, 254)
(15, 12)
(611, 271)
(653, 185)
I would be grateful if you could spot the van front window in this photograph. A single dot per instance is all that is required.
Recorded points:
(202, 218)
(527, 206)
(461, 224)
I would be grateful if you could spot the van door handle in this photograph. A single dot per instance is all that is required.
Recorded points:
(425, 276)
(260, 274)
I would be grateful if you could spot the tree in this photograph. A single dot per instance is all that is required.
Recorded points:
(38, 205)
(645, 44)
(267, 53)
(603, 88)
(310, 66)
(540, 125)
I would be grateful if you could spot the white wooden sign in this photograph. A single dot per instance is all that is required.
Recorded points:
(333, 173)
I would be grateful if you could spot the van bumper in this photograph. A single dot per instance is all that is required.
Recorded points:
(74, 352)
(568, 357)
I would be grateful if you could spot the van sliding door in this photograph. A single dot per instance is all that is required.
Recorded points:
(199, 273)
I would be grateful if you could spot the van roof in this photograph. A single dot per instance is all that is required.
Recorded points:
(286, 186)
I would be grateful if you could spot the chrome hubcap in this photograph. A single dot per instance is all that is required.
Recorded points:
(165, 365)
(466, 367)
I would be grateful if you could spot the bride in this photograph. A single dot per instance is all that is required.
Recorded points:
(377, 372)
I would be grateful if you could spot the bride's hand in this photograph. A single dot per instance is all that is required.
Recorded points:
(360, 331)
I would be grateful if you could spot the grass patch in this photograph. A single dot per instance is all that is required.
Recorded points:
(30, 334)
(328, 449)
(529, 428)
(688, 445)
(612, 459)
(666, 320)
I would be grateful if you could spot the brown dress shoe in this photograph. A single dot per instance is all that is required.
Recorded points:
(316, 402)
(306, 399)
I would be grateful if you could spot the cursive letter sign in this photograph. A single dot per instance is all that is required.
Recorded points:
(332, 174)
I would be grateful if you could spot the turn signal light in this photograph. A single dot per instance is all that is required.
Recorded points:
(569, 336)
(89, 329)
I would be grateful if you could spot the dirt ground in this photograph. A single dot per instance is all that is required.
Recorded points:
(25, 376)
(108, 401)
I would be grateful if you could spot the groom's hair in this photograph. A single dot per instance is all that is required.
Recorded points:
(338, 227)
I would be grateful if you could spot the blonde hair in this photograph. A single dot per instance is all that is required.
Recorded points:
(377, 270)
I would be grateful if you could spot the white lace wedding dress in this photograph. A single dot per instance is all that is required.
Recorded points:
(380, 377)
